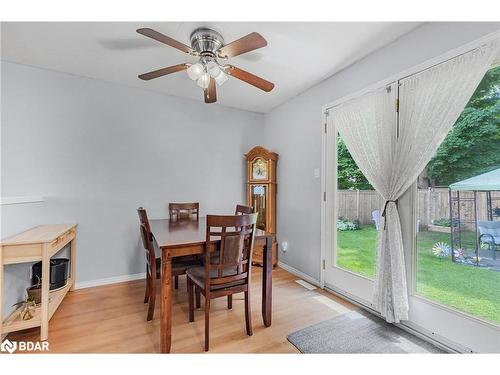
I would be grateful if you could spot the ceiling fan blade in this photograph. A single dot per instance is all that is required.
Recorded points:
(210, 93)
(243, 45)
(249, 78)
(163, 71)
(166, 39)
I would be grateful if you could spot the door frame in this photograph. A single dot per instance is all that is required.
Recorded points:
(325, 186)
(407, 216)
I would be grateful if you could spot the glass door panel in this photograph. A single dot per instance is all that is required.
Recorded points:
(458, 211)
(350, 218)
(358, 216)
(258, 195)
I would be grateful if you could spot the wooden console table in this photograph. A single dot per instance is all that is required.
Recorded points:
(34, 245)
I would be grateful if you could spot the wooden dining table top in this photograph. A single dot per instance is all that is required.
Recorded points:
(175, 233)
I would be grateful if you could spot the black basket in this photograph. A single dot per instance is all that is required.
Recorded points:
(59, 270)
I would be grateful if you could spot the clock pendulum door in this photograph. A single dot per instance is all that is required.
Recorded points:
(261, 194)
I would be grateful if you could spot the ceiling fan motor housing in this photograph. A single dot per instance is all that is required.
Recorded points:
(206, 41)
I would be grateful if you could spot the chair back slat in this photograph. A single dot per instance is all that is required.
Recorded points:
(184, 211)
(243, 210)
(235, 234)
(147, 241)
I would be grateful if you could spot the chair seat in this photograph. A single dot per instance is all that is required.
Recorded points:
(197, 274)
(179, 266)
(488, 239)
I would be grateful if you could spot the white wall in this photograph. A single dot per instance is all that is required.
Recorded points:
(96, 151)
(294, 131)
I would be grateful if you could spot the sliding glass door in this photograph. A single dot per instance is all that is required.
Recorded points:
(450, 222)
(351, 217)
(456, 210)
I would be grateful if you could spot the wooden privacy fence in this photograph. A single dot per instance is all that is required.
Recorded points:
(358, 204)
(433, 203)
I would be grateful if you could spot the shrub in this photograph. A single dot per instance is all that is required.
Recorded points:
(442, 222)
(346, 224)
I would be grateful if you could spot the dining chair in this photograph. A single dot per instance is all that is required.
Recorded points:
(230, 272)
(153, 264)
(179, 211)
(243, 210)
(239, 210)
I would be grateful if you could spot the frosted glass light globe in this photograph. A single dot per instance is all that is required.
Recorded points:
(221, 78)
(195, 71)
(214, 70)
(204, 80)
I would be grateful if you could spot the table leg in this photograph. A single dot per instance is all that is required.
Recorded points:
(72, 245)
(44, 324)
(166, 302)
(267, 288)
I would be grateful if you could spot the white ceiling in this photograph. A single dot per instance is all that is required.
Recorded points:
(298, 55)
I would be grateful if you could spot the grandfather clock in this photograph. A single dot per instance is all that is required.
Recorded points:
(261, 193)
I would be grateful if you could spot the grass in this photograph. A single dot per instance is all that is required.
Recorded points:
(470, 289)
(356, 250)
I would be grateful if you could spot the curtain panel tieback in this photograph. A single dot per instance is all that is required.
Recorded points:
(384, 210)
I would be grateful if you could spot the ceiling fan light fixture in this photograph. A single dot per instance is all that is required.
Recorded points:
(195, 71)
(221, 78)
(217, 73)
(213, 69)
(208, 46)
(204, 80)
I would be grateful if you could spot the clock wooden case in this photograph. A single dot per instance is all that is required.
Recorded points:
(261, 193)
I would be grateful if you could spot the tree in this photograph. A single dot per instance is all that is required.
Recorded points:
(348, 174)
(473, 145)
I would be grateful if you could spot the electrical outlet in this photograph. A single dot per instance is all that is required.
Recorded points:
(284, 246)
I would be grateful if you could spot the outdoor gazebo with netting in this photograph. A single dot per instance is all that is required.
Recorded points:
(475, 219)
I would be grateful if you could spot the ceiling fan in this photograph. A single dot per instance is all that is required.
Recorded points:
(208, 45)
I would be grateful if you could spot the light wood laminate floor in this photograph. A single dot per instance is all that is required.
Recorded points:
(112, 319)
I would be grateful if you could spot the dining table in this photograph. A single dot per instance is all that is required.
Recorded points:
(176, 238)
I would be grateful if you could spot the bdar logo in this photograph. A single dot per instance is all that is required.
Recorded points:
(8, 346)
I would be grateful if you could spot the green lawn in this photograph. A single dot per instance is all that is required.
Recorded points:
(471, 289)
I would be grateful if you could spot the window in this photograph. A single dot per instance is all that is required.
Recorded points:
(358, 211)
(458, 211)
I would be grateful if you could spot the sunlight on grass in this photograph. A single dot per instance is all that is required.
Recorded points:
(356, 250)
(470, 289)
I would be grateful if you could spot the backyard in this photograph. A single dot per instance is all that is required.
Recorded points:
(473, 290)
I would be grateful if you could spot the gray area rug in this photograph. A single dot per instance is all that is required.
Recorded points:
(358, 332)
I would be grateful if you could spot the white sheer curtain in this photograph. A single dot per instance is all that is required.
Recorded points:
(430, 103)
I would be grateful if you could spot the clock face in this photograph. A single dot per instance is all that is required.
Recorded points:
(259, 169)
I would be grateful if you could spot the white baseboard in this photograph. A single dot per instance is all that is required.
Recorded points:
(302, 275)
(109, 280)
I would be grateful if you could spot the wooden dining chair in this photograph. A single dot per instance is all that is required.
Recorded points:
(153, 264)
(180, 211)
(239, 210)
(230, 272)
(243, 210)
